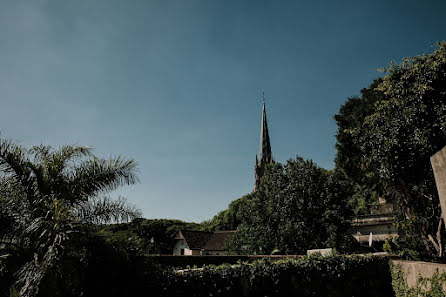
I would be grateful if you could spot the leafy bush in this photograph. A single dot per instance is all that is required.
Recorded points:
(314, 276)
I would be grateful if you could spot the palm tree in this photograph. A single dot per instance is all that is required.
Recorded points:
(48, 198)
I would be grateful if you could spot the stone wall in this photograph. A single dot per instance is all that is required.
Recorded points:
(438, 162)
(413, 269)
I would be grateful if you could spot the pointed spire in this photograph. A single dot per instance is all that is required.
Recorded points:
(265, 154)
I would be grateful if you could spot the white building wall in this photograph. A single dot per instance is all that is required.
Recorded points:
(180, 244)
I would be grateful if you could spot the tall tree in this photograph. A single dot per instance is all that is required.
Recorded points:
(349, 158)
(49, 198)
(398, 135)
(297, 207)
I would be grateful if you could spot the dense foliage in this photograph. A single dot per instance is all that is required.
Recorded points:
(391, 132)
(315, 276)
(230, 218)
(154, 236)
(50, 201)
(367, 184)
(298, 206)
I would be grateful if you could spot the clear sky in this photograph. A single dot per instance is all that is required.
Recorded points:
(177, 85)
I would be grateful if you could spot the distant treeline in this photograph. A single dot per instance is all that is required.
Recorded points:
(154, 236)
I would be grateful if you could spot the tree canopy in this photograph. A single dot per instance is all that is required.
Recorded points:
(155, 235)
(349, 158)
(298, 206)
(389, 135)
(230, 218)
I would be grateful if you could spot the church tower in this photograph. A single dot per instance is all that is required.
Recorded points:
(265, 154)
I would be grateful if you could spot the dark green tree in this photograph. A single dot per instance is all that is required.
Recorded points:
(156, 236)
(397, 135)
(49, 200)
(298, 206)
(228, 219)
(367, 184)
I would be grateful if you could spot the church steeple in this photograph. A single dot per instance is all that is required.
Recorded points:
(265, 154)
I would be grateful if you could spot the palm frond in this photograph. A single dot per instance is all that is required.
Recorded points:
(105, 210)
(100, 176)
(13, 160)
(50, 167)
(30, 275)
(48, 197)
(39, 174)
(40, 152)
(68, 153)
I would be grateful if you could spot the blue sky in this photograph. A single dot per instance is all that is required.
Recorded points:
(177, 85)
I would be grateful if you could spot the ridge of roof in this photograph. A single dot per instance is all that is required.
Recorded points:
(196, 239)
(217, 240)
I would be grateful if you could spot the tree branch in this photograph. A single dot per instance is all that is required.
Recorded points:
(440, 227)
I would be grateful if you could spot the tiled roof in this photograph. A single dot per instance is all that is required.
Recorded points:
(217, 240)
(194, 239)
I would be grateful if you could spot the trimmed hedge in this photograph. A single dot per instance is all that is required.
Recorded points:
(201, 261)
(109, 275)
(315, 276)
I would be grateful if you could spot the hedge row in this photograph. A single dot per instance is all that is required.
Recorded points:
(200, 261)
(315, 276)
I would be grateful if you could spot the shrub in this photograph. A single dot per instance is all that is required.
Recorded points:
(314, 276)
